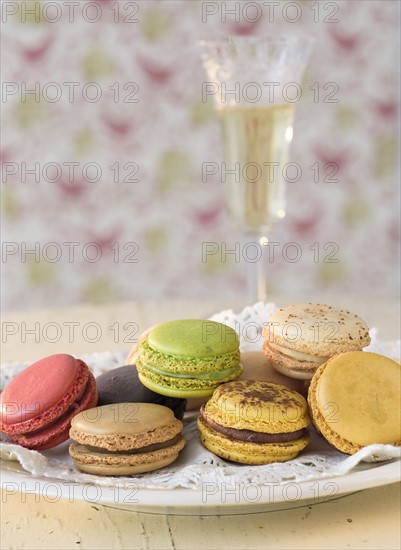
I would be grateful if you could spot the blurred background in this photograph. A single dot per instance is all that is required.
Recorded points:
(105, 133)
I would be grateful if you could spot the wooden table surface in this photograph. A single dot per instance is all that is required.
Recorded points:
(368, 519)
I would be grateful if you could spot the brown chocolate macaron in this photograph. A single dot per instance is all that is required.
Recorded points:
(122, 385)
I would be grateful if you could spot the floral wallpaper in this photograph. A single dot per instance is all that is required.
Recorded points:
(105, 132)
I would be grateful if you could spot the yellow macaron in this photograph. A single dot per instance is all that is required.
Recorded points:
(254, 422)
(355, 400)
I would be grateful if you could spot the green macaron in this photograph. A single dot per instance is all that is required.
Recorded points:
(189, 358)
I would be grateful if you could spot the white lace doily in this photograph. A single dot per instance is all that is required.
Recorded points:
(195, 464)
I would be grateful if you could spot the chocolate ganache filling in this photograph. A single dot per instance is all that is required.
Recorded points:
(147, 449)
(250, 436)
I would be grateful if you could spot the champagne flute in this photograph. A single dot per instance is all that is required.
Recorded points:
(255, 84)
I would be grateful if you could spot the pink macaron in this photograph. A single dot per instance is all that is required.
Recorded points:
(37, 406)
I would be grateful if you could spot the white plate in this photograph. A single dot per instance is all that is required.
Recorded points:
(244, 499)
(212, 499)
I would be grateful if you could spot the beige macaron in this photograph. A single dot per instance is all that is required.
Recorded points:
(300, 338)
(125, 438)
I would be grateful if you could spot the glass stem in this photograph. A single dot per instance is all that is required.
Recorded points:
(253, 255)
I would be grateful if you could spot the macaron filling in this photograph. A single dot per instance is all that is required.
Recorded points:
(249, 435)
(215, 375)
(298, 374)
(139, 450)
(319, 360)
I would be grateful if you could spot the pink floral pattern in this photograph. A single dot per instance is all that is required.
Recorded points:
(155, 148)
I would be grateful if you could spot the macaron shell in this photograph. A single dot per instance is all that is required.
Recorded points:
(125, 426)
(171, 391)
(123, 418)
(181, 387)
(355, 400)
(93, 462)
(249, 453)
(258, 406)
(197, 338)
(317, 329)
(38, 388)
(58, 431)
(47, 389)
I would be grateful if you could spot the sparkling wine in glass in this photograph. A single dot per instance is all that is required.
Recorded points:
(255, 84)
